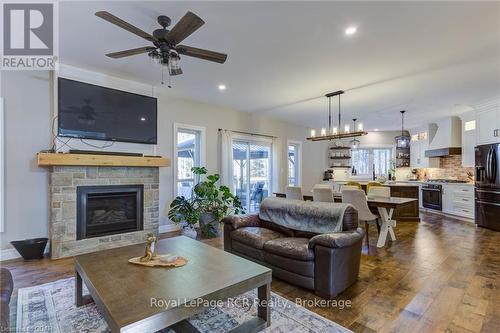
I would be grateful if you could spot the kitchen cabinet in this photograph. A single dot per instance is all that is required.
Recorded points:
(418, 145)
(408, 212)
(458, 200)
(468, 138)
(488, 123)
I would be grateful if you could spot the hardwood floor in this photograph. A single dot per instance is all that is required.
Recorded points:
(441, 275)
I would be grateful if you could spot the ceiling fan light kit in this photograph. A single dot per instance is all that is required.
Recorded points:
(166, 50)
(333, 133)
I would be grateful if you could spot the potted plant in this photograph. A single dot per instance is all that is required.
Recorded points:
(208, 205)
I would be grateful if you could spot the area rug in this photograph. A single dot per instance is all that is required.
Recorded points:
(50, 308)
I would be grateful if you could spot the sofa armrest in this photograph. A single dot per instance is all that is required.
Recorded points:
(337, 239)
(240, 221)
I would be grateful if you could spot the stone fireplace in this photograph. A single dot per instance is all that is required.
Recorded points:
(99, 207)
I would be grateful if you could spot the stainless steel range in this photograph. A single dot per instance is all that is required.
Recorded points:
(432, 196)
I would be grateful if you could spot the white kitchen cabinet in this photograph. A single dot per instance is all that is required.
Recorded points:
(458, 200)
(418, 145)
(415, 154)
(447, 198)
(488, 122)
(468, 138)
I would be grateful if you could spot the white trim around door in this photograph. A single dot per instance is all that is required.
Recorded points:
(203, 144)
(297, 144)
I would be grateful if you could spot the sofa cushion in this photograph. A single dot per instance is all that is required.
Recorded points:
(290, 247)
(297, 267)
(254, 236)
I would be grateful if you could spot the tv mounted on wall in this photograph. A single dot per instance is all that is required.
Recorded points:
(88, 111)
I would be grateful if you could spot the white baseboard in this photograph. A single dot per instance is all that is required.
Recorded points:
(8, 254)
(168, 228)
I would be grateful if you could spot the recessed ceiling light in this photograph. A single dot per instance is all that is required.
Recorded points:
(351, 30)
(376, 129)
(222, 87)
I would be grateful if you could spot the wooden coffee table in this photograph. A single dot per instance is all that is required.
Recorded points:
(129, 296)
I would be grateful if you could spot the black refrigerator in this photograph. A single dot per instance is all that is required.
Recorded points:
(487, 186)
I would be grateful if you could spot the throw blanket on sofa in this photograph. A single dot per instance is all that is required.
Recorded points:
(317, 217)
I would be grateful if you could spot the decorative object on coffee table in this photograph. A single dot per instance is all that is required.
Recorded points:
(208, 204)
(150, 248)
(163, 260)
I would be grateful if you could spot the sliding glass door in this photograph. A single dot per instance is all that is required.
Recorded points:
(251, 172)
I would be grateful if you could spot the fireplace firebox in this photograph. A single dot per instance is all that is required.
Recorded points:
(108, 210)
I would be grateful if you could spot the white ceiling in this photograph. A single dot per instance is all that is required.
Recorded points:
(431, 58)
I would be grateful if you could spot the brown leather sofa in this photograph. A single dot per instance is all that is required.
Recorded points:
(325, 263)
(6, 288)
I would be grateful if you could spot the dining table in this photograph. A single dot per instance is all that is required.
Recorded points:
(385, 207)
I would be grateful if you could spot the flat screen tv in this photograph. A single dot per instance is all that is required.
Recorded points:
(87, 111)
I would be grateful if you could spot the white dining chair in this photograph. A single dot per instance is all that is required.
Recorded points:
(358, 199)
(323, 194)
(294, 192)
(349, 188)
(379, 191)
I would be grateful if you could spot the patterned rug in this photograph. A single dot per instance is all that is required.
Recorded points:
(50, 308)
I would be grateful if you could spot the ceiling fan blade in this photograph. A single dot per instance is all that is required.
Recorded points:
(131, 52)
(202, 53)
(188, 24)
(124, 25)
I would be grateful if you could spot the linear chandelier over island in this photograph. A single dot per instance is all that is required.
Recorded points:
(334, 133)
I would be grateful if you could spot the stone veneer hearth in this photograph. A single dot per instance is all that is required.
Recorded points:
(64, 181)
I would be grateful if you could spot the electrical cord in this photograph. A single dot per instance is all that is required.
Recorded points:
(65, 143)
(106, 145)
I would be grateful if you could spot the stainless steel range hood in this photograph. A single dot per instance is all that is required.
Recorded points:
(445, 138)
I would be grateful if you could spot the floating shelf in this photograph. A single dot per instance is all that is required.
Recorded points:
(340, 157)
(341, 166)
(59, 159)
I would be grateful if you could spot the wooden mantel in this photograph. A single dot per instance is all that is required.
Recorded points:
(59, 159)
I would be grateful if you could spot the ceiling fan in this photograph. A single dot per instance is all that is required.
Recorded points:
(166, 48)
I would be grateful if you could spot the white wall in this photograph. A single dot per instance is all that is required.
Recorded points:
(27, 131)
(28, 122)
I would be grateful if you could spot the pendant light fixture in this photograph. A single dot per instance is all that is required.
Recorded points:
(355, 142)
(334, 133)
(403, 140)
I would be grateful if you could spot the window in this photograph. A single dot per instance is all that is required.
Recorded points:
(189, 152)
(294, 163)
(364, 160)
(252, 164)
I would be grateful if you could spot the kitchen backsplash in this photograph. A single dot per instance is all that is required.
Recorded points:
(450, 167)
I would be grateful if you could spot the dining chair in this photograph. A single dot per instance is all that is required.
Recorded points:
(294, 192)
(349, 187)
(379, 191)
(351, 183)
(372, 184)
(358, 199)
(323, 194)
